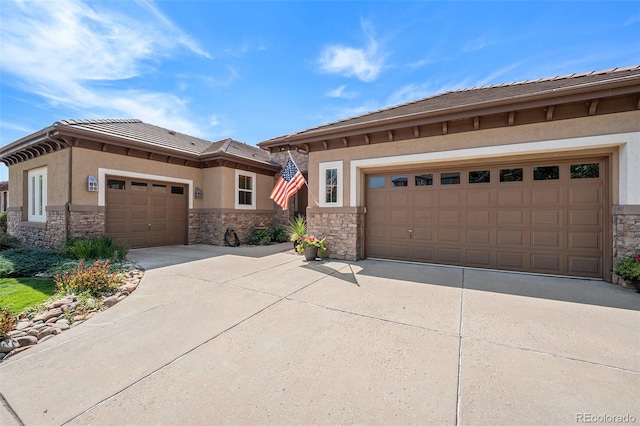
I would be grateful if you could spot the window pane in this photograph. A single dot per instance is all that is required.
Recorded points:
(40, 200)
(245, 182)
(115, 184)
(159, 188)
(333, 195)
(424, 180)
(177, 190)
(331, 186)
(33, 195)
(546, 173)
(480, 176)
(585, 171)
(331, 176)
(400, 181)
(511, 175)
(377, 182)
(245, 197)
(138, 186)
(450, 178)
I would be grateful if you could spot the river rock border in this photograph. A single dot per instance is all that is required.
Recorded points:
(63, 314)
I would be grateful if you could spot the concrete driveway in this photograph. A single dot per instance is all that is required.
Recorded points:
(252, 335)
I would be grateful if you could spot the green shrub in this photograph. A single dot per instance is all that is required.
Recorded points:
(8, 241)
(102, 247)
(3, 222)
(260, 238)
(278, 235)
(93, 279)
(27, 261)
(7, 321)
(629, 268)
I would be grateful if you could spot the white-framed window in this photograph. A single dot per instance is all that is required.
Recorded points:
(37, 195)
(245, 190)
(331, 184)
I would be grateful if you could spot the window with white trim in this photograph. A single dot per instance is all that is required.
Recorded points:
(245, 190)
(331, 184)
(37, 195)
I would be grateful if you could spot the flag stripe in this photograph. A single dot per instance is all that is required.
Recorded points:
(288, 184)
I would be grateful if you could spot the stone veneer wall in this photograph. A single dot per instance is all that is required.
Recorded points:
(86, 222)
(51, 234)
(212, 225)
(343, 228)
(626, 235)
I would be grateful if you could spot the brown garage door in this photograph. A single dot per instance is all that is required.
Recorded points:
(547, 217)
(144, 213)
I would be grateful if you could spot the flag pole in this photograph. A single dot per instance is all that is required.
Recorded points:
(305, 180)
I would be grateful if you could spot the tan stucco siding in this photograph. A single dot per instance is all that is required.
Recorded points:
(57, 164)
(212, 187)
(628, 122)
(87, 162)
(228, 188)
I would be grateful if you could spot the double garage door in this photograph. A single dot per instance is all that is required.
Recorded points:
(144, 213)
(546, 217)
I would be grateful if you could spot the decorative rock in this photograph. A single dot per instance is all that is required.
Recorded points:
(16, 333)
(45, 338)
(128, 287)
(33, 332)
(27, 340)
(47, 331)
(23, 324)
(38, 325)
(7, 345)
(60, 303)
(55, 312)
(51, 320)
(110, 301)
(17, 351)
(62, 324)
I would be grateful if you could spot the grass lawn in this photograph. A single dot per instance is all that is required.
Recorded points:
(17, 294)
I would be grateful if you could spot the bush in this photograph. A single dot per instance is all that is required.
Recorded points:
(264, 237)
(93, 279)
(3, 222)
(629, 268)
(7, 321)
(278, 235)
(27, 261)
(103, 247)
(8, 241)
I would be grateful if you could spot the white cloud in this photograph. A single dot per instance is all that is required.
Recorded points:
(340, 92)
(364, 63)
(72, 53)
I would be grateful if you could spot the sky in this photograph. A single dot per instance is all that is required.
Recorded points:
(255, 70)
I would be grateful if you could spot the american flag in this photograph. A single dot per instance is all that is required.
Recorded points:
(288, 184)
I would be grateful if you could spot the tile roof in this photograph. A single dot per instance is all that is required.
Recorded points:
(149, 134)
(479, 96)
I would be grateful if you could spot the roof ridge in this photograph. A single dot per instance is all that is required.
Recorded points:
(71, 122)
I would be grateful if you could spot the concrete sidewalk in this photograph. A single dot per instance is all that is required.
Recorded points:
(253, 335)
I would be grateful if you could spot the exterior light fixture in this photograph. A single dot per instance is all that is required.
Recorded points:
(92, 183)
(198, 192)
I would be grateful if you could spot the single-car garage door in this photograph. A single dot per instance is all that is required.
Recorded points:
(144, 213)
(547, 216)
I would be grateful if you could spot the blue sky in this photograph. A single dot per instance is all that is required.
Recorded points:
(256, 70)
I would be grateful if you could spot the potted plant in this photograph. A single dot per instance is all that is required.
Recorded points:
(311, 247)
(629, 270)
(297, 229)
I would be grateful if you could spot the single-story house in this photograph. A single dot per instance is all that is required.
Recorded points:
(143, 184)
(538, 176)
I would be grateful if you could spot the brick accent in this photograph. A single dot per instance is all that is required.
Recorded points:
(626, 236)
(209, 226)
(343, 229)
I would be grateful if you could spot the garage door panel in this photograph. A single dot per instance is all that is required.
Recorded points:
(480, 258)
(549, 217)
(450, 255)
(424, 254)
(547, 196)
(138, 200)
(115, 228)
(546, 217)
(451, 217)
(115, 213)
(585, 240)
(587, 195)
(513, 197)
(480, 198)
(481, 217)
(451, 198)
(481, 236)
(585, 266)
(138, 214)
(511, 260)
(547, 263)
(546, 239)
(585, 217)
